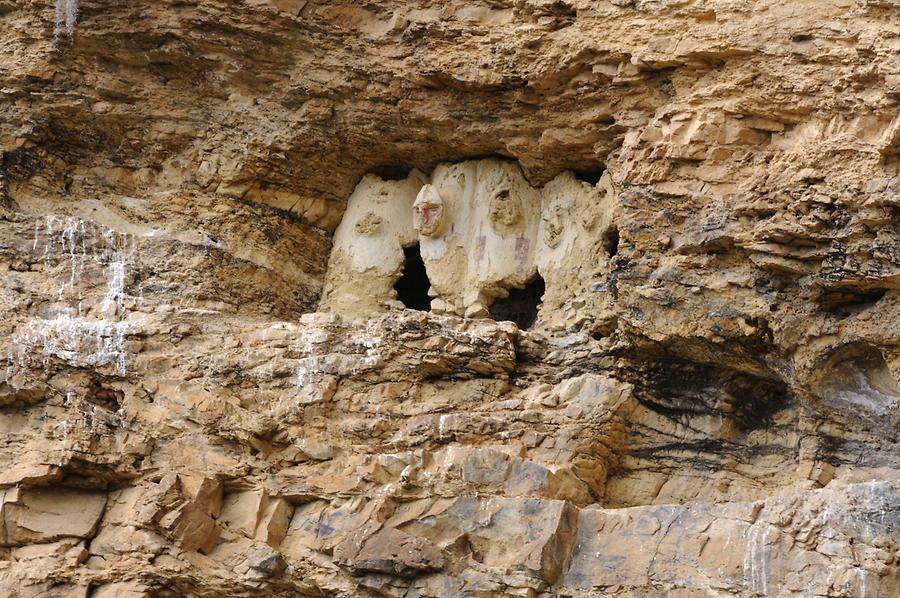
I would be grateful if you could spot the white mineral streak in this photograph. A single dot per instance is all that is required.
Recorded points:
(65, 18)
(81, 340)
(756, 559)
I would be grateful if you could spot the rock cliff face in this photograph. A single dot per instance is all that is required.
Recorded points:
(425, 299)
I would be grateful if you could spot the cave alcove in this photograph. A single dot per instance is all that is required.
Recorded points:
(521, 305)
(412, 287)
(611, 241)
(590, 175)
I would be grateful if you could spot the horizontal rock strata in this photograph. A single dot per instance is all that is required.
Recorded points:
(400, 298)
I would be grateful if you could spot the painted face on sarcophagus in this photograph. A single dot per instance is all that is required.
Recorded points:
(428, 212)
(505, 210)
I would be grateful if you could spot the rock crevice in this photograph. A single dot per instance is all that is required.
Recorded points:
(527, 298)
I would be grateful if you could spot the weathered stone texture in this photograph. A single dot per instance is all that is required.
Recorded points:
(212, 387)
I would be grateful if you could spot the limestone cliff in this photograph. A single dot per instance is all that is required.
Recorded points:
(466, 298)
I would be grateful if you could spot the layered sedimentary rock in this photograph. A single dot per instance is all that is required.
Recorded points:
(525, 298)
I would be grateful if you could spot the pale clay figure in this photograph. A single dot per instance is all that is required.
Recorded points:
(369, 224)
(505, 211)
(482, 230)
(553, 226)
(428, 212)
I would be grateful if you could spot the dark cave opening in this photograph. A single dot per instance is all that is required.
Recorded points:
(845, 302)
(412, 288)
(391, 172)
(521, 306)
(675, 387)
(611, 240)
(591, 176)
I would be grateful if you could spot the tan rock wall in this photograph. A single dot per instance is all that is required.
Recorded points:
(210, 387)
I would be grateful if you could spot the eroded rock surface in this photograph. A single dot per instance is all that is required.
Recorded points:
(525, 298)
